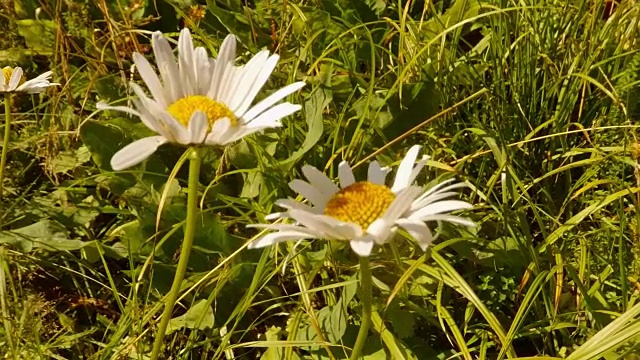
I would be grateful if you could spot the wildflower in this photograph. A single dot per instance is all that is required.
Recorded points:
(13, 80)
(364, 212)
(200, 100)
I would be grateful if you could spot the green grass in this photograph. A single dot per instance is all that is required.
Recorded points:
(532, 103)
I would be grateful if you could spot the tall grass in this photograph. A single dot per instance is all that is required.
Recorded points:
(532, 103)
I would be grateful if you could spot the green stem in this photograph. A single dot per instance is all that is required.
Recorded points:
(5, 140)
(190, 228)
(366, 293)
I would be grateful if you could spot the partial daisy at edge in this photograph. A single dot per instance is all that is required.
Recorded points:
(14, 81)
(198, 100)
(366, 212)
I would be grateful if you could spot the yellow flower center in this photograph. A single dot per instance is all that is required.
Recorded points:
(185, 107)
(360, 203)
(8, 71)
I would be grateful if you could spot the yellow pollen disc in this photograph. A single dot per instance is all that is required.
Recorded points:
(360, 203)
(7, 72)
(185, 107)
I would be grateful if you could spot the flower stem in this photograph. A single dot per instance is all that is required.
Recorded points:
(5, 140)
(366, 293)
(189, 232)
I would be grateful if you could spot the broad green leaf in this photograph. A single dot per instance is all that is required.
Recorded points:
(103, 140)
(38, 34)
(199, 316)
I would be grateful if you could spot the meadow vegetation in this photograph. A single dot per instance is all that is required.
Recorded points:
(532, 103)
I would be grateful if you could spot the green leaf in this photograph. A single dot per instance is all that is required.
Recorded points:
(402, 320)
(253, 182)
(38, 235)
(103, 140)
(275, 352)
(199, 316)
(51, 236)
(68, 160)
(39, 35)
(313, 109)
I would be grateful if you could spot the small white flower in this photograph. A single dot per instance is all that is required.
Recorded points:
(13, 80)
(201, 100)
(365, 212)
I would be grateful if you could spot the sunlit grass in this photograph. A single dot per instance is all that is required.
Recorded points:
(533, 104)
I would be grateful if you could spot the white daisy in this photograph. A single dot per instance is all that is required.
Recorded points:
(364, 212)
(13, 80)
(200, 100)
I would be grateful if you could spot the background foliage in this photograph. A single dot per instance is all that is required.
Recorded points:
(533, 103)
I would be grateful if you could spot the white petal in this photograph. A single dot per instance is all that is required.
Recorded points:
(16, 75)
(239, 132)
(401, 204)
(276, 216)
(198, 125)
(362, 245)
(150, 78)
(218, 134)
(381, 230)
(327, 226)
(376, 174)
(285, 227)
(227, 51)
(44, 76)
(167, 66)
(101, 105)
(293, 204)
(4, 83)
(260, 80)
(136, 152)
(319, 180)
(419, 231)
(152, 122)
(404, 173)
(238, 90)
(420, 203)
(345, 174)
(36, 85)
(186, 62)
(229, 78)
(271, 100)
(177, 132)
(445, 217)
(158, 119)
(276, 237)
(309, 192)
(441, 207)
(203, 71)
(226, 58)
(436, 188)
(434, 193)
(148, 109)
(271, 117)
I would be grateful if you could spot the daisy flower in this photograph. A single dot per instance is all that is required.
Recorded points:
(364, 212)
(13, 80)
(200, 100)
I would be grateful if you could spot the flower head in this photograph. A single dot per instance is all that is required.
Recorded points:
(13, 80)
(200, 100)
(364, 212)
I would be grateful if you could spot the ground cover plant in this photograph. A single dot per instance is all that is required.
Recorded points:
(507, 226)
